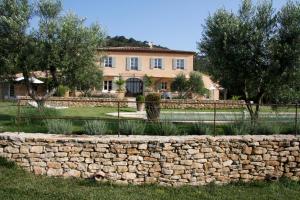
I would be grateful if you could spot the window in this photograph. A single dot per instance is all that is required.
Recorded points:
(134, 63)
(158, 63)
(163, 85)
(107, 85)
(108, 62)
(180, 63)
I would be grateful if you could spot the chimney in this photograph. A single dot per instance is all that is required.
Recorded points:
(150, 44)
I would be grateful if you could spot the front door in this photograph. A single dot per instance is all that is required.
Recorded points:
(134, 87)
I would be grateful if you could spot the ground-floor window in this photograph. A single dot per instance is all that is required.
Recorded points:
(107, 85)
(163, 85)
(11, 90)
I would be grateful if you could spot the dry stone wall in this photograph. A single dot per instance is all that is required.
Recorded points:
(174, 161)
(80, 102)
(202, 104)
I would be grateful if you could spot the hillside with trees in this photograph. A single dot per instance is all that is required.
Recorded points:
(122, 41)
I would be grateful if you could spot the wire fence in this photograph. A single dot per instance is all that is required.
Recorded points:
(218, 117)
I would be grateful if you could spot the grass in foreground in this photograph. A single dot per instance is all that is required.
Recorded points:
(18, 184)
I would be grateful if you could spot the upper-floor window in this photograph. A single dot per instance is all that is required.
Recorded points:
(134, 63)
(108, 62)
(158, 63)
(180, 63)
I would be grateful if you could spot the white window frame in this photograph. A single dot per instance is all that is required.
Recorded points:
(134, 63)
(108, 62)
(107, 85)
(157, 63)
(180, 63)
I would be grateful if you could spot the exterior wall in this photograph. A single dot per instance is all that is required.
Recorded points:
(174, 161)
(160, 75)
(208, 83)
(168, 72)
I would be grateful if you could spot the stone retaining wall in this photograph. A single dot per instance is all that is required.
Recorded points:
(80, 102)
(193, 160)
(113, 102)
(202, 104)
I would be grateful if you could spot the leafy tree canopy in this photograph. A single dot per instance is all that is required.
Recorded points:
(255, 51)
(62, 46)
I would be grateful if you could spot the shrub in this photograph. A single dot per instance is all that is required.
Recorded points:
(29, 113)
(237, 128)
(201, 129)
(95, 127)
(61, 90)
(153, 106)
(58, 126)
(131, 127)
(164, 128)
(120, 83)
(105, 95)
(140, 99)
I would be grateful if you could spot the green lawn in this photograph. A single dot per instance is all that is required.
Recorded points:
(17, 184)
(9, 110)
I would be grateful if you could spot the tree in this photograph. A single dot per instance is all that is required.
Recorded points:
(179, 85)
(63, 47)
(185, 86)
(254, 51)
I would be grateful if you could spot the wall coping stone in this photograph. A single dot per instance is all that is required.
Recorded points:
(139, 138)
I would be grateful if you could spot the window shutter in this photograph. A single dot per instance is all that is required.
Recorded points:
(152, 63)
(139, 64)
(102, 61)
(185, 64)
(162, 63)
(113, 62)
(174, 66)
(128, 64)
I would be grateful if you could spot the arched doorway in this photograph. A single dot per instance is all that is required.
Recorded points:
(134, 86)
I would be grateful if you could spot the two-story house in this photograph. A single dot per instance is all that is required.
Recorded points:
(133, 63)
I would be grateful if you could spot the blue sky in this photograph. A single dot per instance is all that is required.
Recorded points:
(176, 24)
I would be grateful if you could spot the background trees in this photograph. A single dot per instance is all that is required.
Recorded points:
(62, 46)
(255, 51)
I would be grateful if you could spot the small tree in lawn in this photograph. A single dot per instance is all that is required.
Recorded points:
(62, 46)
(255, 51)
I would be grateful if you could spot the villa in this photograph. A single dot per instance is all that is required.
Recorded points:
(133, 63)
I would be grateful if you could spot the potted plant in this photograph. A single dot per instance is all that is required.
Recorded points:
(140, 102)
(152, 106)
(120, 91)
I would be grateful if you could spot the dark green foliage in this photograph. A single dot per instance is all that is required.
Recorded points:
(61, 46)
(95, 127)
(121, 41)
(59, 126)
(186, 87)
(254, 52)
(61, 90)
(201, 128)
(132, 127)
(152, 105)
(164, 128)
(140, 99)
